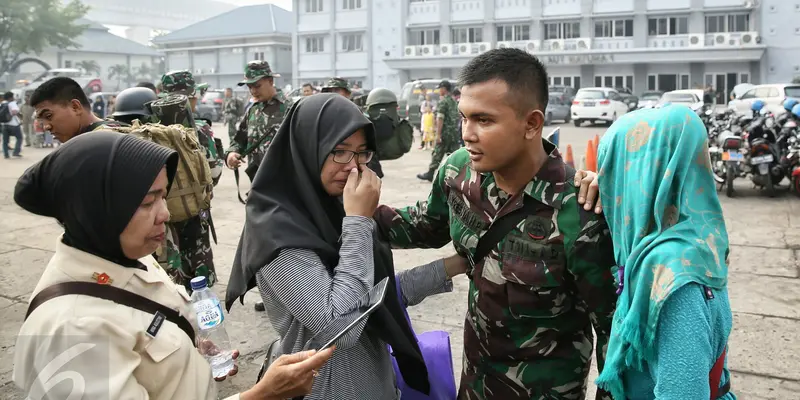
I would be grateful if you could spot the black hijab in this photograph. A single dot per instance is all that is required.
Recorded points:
(288, 208)
(92, 185)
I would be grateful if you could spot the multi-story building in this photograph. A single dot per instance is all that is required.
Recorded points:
(217, 49)
(639, 44)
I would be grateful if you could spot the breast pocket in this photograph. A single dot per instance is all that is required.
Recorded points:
(535, 279)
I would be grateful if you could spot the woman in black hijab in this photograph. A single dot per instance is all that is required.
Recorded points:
(108, 190)
(310, 244)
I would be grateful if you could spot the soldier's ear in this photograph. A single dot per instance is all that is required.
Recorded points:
(534, 122)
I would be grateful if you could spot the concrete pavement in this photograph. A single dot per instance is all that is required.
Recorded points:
(764, 291)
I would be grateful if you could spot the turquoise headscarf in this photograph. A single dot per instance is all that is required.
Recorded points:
(661, 203)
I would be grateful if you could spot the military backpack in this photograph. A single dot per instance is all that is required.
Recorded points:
(191, 189)
(394, 135)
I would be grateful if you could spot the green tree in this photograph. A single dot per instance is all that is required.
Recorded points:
(119, 72)
(144, 72)
(31, 26)
(89, 66)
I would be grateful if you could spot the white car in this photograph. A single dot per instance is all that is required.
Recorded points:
(772, 95)
(692, 98)
(597, 104)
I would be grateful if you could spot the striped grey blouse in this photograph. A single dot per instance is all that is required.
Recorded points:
(301, 297)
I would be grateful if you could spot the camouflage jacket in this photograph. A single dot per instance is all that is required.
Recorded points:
(263, 118)
(533, 300)
(206, 137)
(448, 111)
(232, 109)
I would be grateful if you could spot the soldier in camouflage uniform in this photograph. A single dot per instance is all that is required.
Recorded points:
(338, 85)
(263, 118)
(535, 297)
(194, 234)
(447, 140)
(232, 109)
(261, 121)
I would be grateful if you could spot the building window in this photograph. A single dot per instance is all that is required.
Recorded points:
(315, 44)
(613, 28)
(313, 6)
(352, 42)
(562, 30)
(513, 33)
(668, 26)
(467, 35)
(259, 55)
(568, 81)
(728, 23)
(67, 64)
(351, 4)
(614, 81)
(667, 82)
(419, 38)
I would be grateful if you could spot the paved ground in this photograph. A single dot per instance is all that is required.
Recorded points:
(764, 290)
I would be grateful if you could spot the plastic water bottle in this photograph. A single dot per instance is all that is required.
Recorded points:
(213, 341)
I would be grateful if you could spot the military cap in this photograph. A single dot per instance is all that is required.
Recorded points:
(255, 70)
(178, 82)
(445, 84)
(336, 83)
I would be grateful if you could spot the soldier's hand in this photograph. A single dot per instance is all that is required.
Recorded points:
(361, 194)
(589, 190)
(234, 160)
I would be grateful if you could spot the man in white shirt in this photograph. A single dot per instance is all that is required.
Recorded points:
(12, 127)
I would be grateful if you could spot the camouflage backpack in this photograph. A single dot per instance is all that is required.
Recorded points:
(191, 189)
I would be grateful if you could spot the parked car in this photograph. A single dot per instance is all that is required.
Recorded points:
(649, 99)
(566, 93)
(693, 98)
(628, 97)
(773, 96)
(209, 112)
(408, 101)
(213, 98)
(557, 109)
(597, 104)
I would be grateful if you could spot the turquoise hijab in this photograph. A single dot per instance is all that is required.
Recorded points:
(661, 203)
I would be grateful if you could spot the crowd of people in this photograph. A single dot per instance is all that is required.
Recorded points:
(632, 258)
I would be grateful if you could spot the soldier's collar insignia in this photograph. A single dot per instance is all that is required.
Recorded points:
(102, 278)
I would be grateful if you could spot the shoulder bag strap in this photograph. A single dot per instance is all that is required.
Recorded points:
(117, 295)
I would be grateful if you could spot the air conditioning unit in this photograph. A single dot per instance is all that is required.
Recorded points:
(504, 45)
(464, 48)
(584, 44)
(427, 50)
(531, 46)
(697, 40)
(750, 39)
(411, 51)
(198, 71)
(722, 39)
(482, 47)
(557, 45)
(212, 71)
(446, 49)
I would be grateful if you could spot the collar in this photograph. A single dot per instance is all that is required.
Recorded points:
(86, 267)
(549, 186)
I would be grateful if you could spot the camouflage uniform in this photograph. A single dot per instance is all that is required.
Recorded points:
(533, 300)
(263, 118)
(232, 110)
(336, 83)
(447, 110)
(192, 236)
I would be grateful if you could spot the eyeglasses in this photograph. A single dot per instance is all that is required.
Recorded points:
(345, 156)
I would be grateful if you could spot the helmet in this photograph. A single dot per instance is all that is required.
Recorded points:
(796, 110)
(757, 105)
(381, 96)
(789, 104)
(132, 101)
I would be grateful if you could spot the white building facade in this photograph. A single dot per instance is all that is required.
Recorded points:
(640, 44)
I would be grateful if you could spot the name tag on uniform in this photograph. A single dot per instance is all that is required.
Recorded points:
(155, 324)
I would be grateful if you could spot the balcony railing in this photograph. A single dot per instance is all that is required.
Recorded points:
(712, 40)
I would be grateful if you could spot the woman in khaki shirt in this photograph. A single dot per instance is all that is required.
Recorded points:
(108, 191)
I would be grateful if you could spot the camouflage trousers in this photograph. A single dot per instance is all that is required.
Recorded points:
(187, 252)
(442, 148)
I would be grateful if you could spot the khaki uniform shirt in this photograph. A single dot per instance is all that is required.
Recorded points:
(103, 347)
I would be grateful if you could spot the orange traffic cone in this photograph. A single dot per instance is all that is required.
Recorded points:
(596, 143)
(591, 156)
(569, 159)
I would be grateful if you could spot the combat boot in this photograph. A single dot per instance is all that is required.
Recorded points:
(427, 176)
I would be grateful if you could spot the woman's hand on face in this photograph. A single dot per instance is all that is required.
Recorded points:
(289, 376)
(455, 265)
(361, 195)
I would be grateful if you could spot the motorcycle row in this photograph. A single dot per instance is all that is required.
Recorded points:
(763, 146)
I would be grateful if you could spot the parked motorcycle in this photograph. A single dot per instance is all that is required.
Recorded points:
(765, 154)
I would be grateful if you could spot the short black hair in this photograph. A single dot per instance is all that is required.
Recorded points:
(524, 74)
(8, 96)
(148, 85)
(61, 90)
(308, 85)
(229, 88)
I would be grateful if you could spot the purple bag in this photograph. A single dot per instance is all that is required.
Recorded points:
(435, 347)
